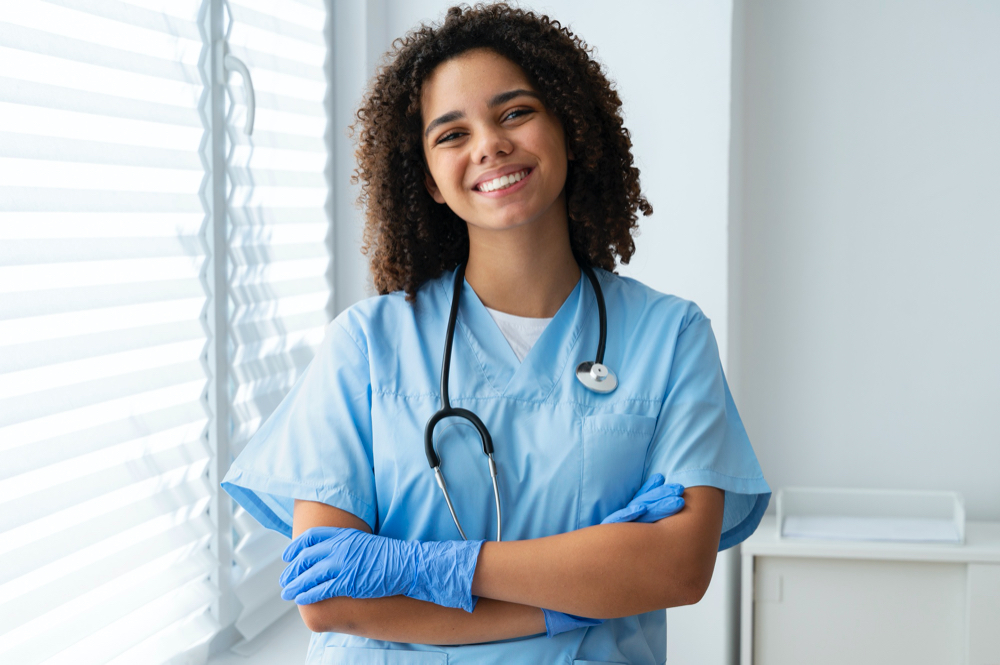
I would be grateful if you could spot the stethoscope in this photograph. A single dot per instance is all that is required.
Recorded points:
(594, 376)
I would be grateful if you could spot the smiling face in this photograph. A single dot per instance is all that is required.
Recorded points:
(496, 156)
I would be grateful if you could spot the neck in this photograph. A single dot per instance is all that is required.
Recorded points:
(528, 270)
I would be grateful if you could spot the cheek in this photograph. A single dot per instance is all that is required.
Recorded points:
(448, 175)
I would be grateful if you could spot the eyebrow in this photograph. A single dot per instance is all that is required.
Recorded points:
(495, 100)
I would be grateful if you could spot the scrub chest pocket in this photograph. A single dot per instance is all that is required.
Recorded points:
(614, 454)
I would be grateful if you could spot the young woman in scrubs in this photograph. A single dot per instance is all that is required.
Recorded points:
(494, 140)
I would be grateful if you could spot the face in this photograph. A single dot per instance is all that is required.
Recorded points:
(496, 156)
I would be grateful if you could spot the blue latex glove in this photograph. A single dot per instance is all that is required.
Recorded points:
(329, 561)
(651, 503)
(560, 622)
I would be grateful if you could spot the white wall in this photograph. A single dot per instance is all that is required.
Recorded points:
(358, 42)
(871, 280)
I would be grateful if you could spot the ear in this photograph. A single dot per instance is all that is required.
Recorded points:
(432, 188)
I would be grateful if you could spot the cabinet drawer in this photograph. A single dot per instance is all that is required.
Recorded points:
(834, 611)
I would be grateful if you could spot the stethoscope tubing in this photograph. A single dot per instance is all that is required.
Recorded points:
(447, 411)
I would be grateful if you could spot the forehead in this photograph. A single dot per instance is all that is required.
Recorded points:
(469, 80)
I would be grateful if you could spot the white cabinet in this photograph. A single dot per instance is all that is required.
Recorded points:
(824, 601)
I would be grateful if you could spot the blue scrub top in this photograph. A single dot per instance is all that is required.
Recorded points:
(350, 434)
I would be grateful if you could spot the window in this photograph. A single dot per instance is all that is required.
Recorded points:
(164, 278)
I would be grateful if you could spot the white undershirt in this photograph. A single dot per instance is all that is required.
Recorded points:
(521, 331)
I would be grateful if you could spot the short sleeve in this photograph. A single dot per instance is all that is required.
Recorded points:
(699, 438)
(316, 445)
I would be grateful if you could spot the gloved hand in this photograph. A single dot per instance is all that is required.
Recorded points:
(651, 503)
(560, 622)
(329, 561)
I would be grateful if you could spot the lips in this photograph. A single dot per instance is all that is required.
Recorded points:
(493, 180)
(503, 182)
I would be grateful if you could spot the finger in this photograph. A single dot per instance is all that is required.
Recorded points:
(627, 514)
(305, 539)
(664, 508)
(291, 571)
(654, 481)
(660, 493)
(307, 558)
(308, 579)
(308, 538)
(317, 593)
(287, 575)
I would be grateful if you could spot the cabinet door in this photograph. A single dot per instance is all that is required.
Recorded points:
(984, 614)
(834, 611)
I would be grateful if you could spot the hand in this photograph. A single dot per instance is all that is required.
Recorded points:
(330, 561)
(651, 503)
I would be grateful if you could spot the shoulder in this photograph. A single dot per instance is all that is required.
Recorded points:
(390, 315)
(642, 306)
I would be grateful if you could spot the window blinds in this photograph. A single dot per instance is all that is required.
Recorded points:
(279, 253)
(105, 217)
(103, 493)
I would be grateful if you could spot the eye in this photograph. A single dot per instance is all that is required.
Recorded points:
(450, 136)
(517, 113)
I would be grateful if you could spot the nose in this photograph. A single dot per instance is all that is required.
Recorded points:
(493, 142)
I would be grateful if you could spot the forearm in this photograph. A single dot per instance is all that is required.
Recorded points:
(609, 570)
(402, 619)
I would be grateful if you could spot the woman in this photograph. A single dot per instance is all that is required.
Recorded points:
(492, 147)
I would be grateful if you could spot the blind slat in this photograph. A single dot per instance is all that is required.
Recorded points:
(193, 631)
(76, 75)
(66, 199)
(57, 108)
(35, 354)
(258, 290)
(37, 303)
(71, 622)
(181, 22)
(178, 605)
(89, 251)
(150, 53)
(278, 334)
(180, 462)
(116, 575)
(153, 431)
(264, 29)
(75, 150)
(278, 139)
(174, 501)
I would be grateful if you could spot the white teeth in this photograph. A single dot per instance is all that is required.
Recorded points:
(502, 182)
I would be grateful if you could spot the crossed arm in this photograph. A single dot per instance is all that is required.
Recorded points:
(604, 571)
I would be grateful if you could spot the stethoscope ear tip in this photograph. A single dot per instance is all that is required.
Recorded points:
(596, 377)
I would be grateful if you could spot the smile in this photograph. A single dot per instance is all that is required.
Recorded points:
(503, 182)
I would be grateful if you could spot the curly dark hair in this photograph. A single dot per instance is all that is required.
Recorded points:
(409, 238)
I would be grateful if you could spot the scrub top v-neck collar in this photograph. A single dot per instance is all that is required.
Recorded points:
(538, 373)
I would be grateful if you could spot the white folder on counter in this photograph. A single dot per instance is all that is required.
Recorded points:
(871, 515)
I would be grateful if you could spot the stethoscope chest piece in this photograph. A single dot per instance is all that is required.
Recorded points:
(596, 377)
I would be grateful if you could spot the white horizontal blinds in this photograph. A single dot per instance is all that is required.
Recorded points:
(278, 251)
(103, 492)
